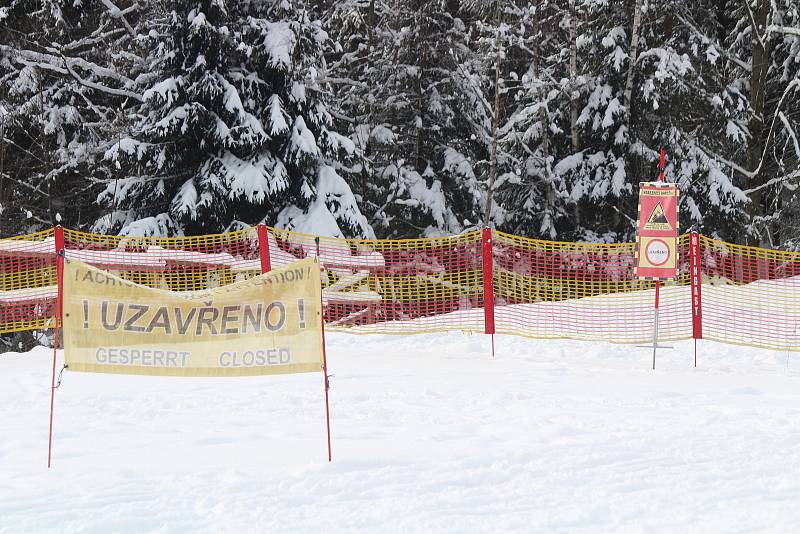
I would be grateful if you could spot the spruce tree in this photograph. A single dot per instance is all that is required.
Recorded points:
(235, 130)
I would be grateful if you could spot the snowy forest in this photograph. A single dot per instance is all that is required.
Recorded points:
(399, 118)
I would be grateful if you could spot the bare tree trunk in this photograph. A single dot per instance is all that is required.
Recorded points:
(367, 169)
(371, 22)
(633, 53)
(758, 85)
(418, 125)
(495, 120)
(573, 76)
(46, 155)
(539, 92)
(549, 189)
(2, 164)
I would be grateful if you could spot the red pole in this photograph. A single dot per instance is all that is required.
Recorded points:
(263, 248)
(488, 284)
(324, 363)
(696, 284)
(59, 242)
(327, 385)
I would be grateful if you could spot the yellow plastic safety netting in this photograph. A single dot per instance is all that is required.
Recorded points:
(27, 282)
(542, 289)
(552, 289)
(751, 296)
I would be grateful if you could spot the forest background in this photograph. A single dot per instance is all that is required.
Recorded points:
(390, 118)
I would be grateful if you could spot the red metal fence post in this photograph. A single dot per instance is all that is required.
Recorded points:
(696, 279)
(488, 283)
(59, 244)
(263, 248)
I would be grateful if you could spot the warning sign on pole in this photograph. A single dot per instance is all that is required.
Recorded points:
(657, 231)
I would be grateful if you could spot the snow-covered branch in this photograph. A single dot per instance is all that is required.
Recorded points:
(117, 13)
(67, 65)
(101, 88)
(93, 40)
(790, 132)
(705, 38)
(785, 178)
(738, 168)
(756, 31)
(340, 81)
(794, 84)
(786, 30)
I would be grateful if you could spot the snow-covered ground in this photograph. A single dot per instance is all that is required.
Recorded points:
(430, 434)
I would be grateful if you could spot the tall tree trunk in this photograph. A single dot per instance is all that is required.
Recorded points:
(418, 125)
(758, 86)
(3, 207)
(371, 22)
(46, 155)
(573, 76)
(367, 169)
(495, 120)
(550, 186)
(633, 53)
(540, 93)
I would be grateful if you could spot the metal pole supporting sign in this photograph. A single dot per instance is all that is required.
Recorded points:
(656, 252)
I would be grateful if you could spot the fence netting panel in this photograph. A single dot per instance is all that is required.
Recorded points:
(550, 289)
(393, 286)
(28, 285)
(751, 296)
(171, 263)
(542, 289)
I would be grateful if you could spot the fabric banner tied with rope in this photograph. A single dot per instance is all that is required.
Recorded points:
(268, 324)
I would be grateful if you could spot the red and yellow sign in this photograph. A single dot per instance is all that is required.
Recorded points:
(657, 231)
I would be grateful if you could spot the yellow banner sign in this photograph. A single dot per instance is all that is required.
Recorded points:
(264, 325)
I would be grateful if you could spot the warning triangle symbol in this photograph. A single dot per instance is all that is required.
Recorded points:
(658, 215)
(658, 219)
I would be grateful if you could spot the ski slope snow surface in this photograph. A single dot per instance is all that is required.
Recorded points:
(430, 434)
